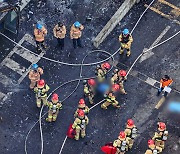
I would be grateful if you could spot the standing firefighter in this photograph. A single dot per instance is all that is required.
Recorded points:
(161, 135)
(89, 90)
(164, 82)
(41, 92)
(121, 143)
(79, 124)
(34, 75)
(54, 107)
(119, 77)
(40, 32)
(83, 107)
(131, 132)
(153, 149)
(75, 34)
(101, 71)
(111, 99)
(125, 39)
(60, 32)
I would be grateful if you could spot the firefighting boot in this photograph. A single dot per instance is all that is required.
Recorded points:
(121, 51)
(128, 53)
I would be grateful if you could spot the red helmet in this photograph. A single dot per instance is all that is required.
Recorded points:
(55, 96)
(81, 113)
(91, 82)
(115, 87)
(162, 126)
(106, 65)
(130, 122)
(122, 135)
(41, 82)
(122, 73)
(81, 101)
(150, 142)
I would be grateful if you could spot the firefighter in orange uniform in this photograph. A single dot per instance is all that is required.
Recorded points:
(153, 149)
(80, 124)
(41, 92)
(131, 132)
(89, 90)
(82, 106)
(54, 107)
(161, 135)
(75, 34)
(40, 32)
(111, 99)
(34, 75)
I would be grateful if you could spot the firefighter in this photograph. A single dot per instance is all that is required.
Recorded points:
(153, 149)
(82, 106)
(41, 92)
(121, 143)
(166, 81)
(119, 77)
(80, 124)
(131, 132)
(34, 75)
(125, 39)
(102, 70)
(59, 33)
(75, 34)
(54, 107)
(111, 99)
(89, 90)
(40, 32)
(161, 135)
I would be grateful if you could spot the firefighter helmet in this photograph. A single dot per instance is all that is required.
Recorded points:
(41, 83)
(130, 123)
(122, 73)
(109, 148)
(122, 135)
(91, 82)
(115, 87)
(77, 24)
(150, 142)
(81, 113)
(162, 126)
(106, 65)
(55, 96)
(125, 31)
(81, 101)
(34, 66)
(39, 26)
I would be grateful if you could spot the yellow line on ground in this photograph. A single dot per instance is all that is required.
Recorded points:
(161, 101)
(169, 4)
(163, 14)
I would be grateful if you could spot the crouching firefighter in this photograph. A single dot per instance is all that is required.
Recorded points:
(131, 132)
(41, 92)
(89, 90)
(119, 77)
(110, 98)
(161, 135)
(101, 71)
(152, 148)
(83, 107)
(80, 124)
(54, 107)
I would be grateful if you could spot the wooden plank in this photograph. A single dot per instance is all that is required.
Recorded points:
(116, 18)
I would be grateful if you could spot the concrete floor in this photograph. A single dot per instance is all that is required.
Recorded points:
(19, 111)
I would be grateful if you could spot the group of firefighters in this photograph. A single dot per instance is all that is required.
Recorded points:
(59, 32)
(77, 129)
